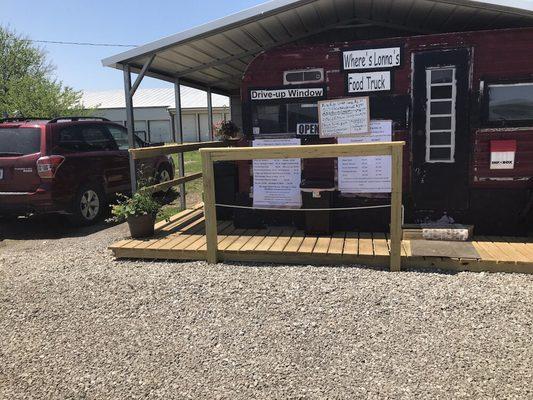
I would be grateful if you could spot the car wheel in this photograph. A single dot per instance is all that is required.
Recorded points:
(164, 174)
(89, 205)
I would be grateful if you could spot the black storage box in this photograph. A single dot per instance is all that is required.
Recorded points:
(226, 182)
(317, 194)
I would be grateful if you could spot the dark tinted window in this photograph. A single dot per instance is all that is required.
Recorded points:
(84, 138)
(19, 141)
(96, 138)
(512, 102)
(120, 136)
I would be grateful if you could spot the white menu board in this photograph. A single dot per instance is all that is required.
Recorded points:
(367, 174)
(344, 117)
(277, 182)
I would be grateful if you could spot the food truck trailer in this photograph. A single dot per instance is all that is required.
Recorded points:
(452, 78)
(462, 102)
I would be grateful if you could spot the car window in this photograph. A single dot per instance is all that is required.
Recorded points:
(69, 140)
(96, 138)
(120, 135)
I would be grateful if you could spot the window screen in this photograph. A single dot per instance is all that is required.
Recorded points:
(510, 102)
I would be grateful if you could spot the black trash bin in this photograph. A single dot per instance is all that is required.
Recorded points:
(317, 194)
(226, 183)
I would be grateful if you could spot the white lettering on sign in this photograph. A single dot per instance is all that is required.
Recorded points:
(368, 174)
(344, 117)
(280, 94)
(360, 82)
(307, 129)
(277, 182)
(372, 58)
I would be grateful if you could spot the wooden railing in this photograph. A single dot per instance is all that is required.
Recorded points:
(150, 152)
(394, 149)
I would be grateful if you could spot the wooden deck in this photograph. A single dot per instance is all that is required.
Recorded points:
(183, 238)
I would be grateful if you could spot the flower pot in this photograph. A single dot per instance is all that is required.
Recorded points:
(141, 225)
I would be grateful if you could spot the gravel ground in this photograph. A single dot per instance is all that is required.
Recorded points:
(75, 324)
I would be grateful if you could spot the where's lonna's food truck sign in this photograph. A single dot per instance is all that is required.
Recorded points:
(366, 62)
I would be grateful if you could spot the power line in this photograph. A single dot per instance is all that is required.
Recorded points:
(83, 43)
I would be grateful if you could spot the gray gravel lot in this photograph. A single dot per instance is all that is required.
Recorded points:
(75, 324)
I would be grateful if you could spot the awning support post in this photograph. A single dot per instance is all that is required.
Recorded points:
(210, 113)
(178, 138)
(130, 125)
(140, 77)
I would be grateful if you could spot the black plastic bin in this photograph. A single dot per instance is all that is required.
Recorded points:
(317, 194)
(226, 182)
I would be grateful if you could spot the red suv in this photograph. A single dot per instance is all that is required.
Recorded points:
(71, 165)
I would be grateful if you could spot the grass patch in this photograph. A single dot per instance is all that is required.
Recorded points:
(193, 189)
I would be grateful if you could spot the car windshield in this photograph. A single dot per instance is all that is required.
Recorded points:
(19, 141)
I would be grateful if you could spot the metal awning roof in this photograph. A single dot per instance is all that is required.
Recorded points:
(216, 54)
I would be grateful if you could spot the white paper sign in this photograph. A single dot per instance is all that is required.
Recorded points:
(502, 159)
(344, 117)
(368, 174)
(277, 182)
(372, 58)
(360, 82)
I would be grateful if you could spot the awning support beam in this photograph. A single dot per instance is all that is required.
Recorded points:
(141, 75)
(178, 138)
(210, 112)
(130, 124)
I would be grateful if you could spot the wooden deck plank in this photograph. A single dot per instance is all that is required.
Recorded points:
(295, 242)
(308, 244)
(196, 226)
(242, 240)
(337, 243)
(222, 227)
(221, 236)
(489, 252)
(351, 244)
(122, 243)
(380, 244)
(176, 218)
(254, 242)
(267, 242)
(366, 247)
(225, 243)
(322, 245)
(282, 240)
(509, 253)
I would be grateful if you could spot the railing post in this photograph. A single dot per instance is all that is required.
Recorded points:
(210, 212)
(396, 208)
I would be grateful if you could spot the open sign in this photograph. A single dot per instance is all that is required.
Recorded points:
(307, 129)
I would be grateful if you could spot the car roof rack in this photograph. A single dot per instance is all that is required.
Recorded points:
(77, 119)
(21, 119)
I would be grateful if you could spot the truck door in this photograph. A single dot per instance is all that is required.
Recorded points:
(440, 133)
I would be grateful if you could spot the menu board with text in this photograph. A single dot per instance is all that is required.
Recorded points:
(344, 117)
(277, 182)
(367, 174)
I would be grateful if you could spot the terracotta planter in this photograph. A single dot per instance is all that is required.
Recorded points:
(141, 225)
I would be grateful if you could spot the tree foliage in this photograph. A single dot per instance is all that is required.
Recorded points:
(27, 85)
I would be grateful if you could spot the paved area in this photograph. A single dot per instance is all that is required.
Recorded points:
(75, 324)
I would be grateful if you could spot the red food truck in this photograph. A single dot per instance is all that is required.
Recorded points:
(462, 102)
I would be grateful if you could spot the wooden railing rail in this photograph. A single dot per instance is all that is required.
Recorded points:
(150, 152)
(394, 149)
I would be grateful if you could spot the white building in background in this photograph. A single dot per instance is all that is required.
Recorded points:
(155, 111)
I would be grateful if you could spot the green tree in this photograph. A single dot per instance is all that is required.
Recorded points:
(27, 85)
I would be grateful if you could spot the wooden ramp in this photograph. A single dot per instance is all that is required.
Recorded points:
(183, 238)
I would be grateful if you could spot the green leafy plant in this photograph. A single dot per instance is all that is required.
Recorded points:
(141, 203)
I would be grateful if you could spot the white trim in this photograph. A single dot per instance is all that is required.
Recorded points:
(452, 116)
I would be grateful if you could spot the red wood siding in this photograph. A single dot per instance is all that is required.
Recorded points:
(503, 54)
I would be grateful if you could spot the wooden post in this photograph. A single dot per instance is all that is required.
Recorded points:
(396, 209)
(210, 212)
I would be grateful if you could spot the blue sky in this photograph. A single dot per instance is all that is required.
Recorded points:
(111, 21)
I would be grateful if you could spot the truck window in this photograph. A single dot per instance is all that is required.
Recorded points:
(282, 118)
(510, 104)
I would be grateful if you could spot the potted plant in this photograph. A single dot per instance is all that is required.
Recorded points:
(228, 132)
(139, 211)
